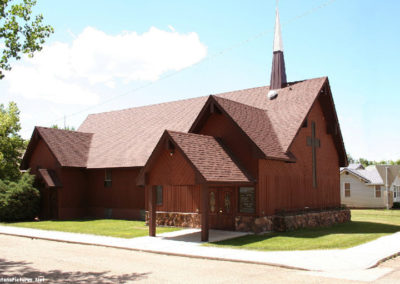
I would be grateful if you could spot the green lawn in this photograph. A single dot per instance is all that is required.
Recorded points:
(366, 225)
(103, 227)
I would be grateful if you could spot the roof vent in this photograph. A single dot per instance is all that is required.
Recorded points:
(272, 94)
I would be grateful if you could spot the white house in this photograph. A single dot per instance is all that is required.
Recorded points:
(376, 186)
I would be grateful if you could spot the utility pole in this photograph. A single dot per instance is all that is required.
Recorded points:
(387, 187)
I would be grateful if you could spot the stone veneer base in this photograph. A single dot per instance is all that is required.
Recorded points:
(278, 223)
(294, 221)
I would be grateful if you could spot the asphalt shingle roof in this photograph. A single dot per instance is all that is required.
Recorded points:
(209, 157)
(71, 148)
(126, 138)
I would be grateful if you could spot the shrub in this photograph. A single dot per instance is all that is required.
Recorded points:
(396, 205)
(19, 200)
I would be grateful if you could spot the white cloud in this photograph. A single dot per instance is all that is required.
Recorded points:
(67, 73)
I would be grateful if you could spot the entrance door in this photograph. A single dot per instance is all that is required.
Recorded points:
(222, 207)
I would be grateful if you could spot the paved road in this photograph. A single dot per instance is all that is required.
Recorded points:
(64, 263)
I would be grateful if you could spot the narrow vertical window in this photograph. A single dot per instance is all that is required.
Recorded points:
(159, 195)
(377, 191)
(346, 189)
(107, 178)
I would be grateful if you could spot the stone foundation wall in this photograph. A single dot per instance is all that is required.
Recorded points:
(177, 219)
(290, 222)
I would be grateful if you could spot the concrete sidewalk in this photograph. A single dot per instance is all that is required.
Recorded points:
(185, 243)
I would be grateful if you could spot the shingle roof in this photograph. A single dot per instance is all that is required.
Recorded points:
(209, 157)
(71, 148)
(371, 175)
(287, 112)
(355, 166)
(256, 124)
(375, 174)
(126, 138)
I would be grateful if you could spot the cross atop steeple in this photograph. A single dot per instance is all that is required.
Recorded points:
(278, 72)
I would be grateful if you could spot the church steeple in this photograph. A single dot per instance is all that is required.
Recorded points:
(278, 72)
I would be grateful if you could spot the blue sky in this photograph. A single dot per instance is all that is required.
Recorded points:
(204, 46)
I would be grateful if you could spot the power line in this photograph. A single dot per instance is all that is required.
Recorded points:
(208, 58)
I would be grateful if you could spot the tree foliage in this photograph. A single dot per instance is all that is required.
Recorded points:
(19, 200)
(20, 32)
(70, 128)
(366, 162)
(12, 145)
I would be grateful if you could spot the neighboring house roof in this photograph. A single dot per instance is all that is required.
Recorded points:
(126, 138)
(209, 157)
(355, 167)
(70, 148)
(375, 174)
(50, 178)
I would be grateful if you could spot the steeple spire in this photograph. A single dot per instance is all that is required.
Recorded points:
(278, 72)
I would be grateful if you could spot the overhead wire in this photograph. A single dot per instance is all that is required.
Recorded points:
(208, 58)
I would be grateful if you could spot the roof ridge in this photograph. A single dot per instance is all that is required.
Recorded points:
(214, 94)
(236, 102)
(189, 133)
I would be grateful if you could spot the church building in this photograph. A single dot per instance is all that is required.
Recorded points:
(242, 160)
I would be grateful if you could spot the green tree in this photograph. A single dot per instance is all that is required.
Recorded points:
(19, 31)
(70, 128)
(350, 159)
(19, 200)
(12, 145)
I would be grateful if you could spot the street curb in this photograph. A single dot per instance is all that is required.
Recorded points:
(162, 252)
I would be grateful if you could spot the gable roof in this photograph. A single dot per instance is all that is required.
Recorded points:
(254, 122)
(370, 176)
(375, 174)
(206, 154)
(288, 111)
(70, 148)
(126, 138)
(209, 157)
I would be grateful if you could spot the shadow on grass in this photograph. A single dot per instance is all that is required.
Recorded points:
(21, 269)
(353, 227)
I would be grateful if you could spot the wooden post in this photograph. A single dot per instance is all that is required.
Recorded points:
(152, 210)
(204, 213)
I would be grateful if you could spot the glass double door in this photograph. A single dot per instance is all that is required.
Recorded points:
(222, 208)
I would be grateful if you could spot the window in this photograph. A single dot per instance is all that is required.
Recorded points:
(377, 191)
(107, 178)
(159, 195)
(396, 191)
(247, 200)
(346, 189)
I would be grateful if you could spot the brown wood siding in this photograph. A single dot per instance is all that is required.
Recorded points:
(72, 196)
(218, 125)
(175, 174)
(42, 158)
(124, 197)
(284, 186)
(181, 198)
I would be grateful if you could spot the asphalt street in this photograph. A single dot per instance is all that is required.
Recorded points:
(57, 262)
